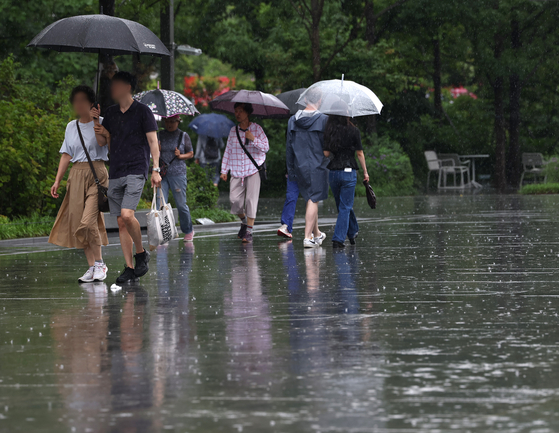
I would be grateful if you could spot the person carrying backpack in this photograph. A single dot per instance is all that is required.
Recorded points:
(208, 156)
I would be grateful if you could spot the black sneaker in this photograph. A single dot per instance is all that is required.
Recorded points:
(337, 244)
(142, 260)
(127, 276)
(242, 231)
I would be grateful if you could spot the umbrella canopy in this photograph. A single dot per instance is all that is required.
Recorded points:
(212, 125)
(166, 103)
(290, 99)
(264, 104)
(344, 98)
(99, 34)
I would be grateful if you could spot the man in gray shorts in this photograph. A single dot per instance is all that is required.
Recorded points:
(130, 129)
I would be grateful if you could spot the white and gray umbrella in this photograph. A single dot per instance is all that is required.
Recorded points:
(342, 98)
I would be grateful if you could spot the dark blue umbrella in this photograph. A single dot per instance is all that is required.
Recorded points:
(212, 125)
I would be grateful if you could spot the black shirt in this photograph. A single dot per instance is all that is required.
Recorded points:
(344, 155)
(129, 151)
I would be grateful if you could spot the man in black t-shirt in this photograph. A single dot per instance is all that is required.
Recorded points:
(130, 130)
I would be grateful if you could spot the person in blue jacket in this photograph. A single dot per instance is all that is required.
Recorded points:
(307, 166)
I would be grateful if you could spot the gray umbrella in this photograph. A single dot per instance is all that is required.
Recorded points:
(99, 34)
(290, 99)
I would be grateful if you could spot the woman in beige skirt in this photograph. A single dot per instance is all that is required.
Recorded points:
(79, 223)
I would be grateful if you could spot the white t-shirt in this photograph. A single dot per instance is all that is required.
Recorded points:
(73, 147)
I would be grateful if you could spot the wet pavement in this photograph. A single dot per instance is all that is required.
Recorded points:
(443, 318)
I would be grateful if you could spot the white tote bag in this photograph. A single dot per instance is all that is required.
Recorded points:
(161, 222)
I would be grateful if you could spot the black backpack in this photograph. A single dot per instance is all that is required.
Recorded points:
(211, 151)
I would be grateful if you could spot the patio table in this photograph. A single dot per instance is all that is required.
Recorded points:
(473, 159)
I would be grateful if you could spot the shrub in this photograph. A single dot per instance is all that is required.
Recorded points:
(25, 227)
(215, 214)
(31, 132)
(389, 168)
(540, 188)
(552, 170)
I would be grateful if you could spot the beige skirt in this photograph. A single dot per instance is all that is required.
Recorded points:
(79, 222)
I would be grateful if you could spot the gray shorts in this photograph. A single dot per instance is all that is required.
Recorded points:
(125, 192)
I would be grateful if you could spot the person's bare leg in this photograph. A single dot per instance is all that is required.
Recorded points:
(90, 255)
(250, 222)
(97, 252)
(126, 243)
(134, 229)
(311, 219)
(241, 216)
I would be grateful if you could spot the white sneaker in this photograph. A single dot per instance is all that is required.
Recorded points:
(100, 271)
(309, 243)
(88, 276)
(283, 232)
(318, 240)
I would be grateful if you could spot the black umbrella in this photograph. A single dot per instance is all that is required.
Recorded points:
(290, 99)
(99, 34)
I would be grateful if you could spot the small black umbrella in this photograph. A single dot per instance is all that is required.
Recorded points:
(290, 99)
(99, 34)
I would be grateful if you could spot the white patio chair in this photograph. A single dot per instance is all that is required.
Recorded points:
(445, 167)
(460, 167)
(534, 164)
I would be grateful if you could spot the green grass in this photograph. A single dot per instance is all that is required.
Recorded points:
(540, 188)
(25, 227)
(216, 215)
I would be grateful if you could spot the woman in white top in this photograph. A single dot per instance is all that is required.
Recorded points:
(79, 223)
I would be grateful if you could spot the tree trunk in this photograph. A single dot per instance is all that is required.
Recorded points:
(370, 22)
(106, 65)
(515, 87)
(437, 78)
(316, 16)
(499, 125)
(167, 31)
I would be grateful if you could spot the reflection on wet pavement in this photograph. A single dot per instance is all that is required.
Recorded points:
(442, 318)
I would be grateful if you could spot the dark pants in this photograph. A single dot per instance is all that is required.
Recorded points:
(291, 197)
(343, 184)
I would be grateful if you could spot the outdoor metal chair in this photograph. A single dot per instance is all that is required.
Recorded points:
(445, 167)
(460, 167)
(533, 164)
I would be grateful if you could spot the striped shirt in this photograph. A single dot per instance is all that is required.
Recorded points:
(235, 159)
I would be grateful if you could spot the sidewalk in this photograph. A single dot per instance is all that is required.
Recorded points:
(40, 244)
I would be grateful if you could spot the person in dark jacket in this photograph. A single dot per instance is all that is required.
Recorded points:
(307, 165)
(342, 142)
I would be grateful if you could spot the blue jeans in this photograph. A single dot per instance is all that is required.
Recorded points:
(291, 197)
(177, 184)
(343, 184)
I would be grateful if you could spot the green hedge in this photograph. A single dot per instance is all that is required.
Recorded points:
(540, 188)
(389, 168)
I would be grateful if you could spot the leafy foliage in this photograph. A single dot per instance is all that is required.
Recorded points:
(540, 188)
(389, 168)
(31, 132)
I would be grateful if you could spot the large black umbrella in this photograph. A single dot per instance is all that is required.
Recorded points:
(290, 99)
(99, 34)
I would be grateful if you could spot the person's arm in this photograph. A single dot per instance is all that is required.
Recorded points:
(260, 141)
(154, 149)
(326, 153)
(361, 157)
(225, 160)
(187, 147)
(289, 154)
(62, 167)
(101, 133)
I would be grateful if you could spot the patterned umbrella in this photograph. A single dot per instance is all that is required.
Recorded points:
(166, 103)
(264, 104)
